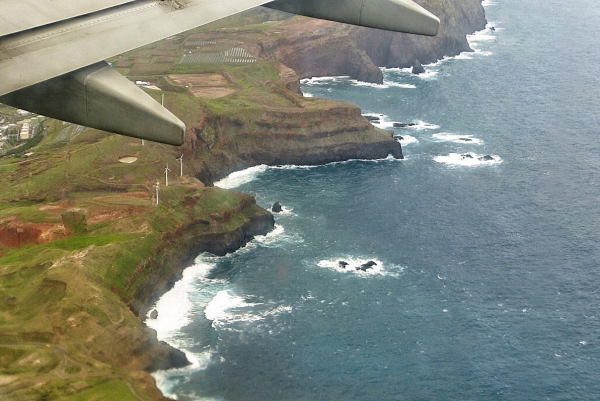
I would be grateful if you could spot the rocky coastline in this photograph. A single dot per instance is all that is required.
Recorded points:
(176, 251)
(325, 48)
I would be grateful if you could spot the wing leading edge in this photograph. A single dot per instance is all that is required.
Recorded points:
(45, 65)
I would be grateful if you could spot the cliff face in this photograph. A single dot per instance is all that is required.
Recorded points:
(222, 233)
(321, 133)
(457, 19)
(316, 48)
(321, 48)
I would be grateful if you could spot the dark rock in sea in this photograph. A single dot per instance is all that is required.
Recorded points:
(153, 314)
(467, 156)
(342, 264)
(162, 355)
(372, 118)
(492, 29)
(465, 139)
(366, 266)
(404, 125)
(486, 158)
(400, 138)
(276, 207)
(417, 68)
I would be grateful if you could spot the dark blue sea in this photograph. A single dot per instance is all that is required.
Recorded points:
(487, 277)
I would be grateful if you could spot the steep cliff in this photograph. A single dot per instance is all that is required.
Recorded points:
(321, 132)
(457, 19)
(321, 48)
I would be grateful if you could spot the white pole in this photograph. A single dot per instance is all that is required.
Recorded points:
(167, 175)
(181, 165)
(156, 186)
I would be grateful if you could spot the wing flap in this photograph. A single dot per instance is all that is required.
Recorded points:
(99, 97)
(393, 15)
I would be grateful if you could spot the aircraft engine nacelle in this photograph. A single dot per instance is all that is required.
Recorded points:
(392, 15)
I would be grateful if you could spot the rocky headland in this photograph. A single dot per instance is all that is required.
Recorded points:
(317, 133)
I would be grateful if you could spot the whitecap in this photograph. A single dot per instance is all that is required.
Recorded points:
(356, 266)
(386, 122)
(406, 139)
(169, 380)
(286, 211)
(467, 159)
(388, 158)
(241, 177)
(227, 310)
(383, 121)
(476, 39)
(387, 83)
(174, 308)
(457, 138)
(375, 118)
(421, 125)
(277, 237)
(429, 74)
(323, 81)
(315, 81)
(488, 3)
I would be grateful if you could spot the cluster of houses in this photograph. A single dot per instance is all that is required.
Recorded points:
(22, 130)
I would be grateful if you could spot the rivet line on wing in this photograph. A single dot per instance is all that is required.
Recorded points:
(76, 27)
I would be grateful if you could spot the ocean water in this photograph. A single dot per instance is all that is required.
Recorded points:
(486, 283)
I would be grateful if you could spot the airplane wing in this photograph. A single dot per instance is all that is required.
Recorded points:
(52, 52)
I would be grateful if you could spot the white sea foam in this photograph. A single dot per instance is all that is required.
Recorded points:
(286, 211)
(457, 138)
(477, 39)
(467, 159)
(175, 310)
(386, 84)
(278, 237)
(385, 122)
(388, 158)
(227, 311)
(378, 115)
(326, 81)
(488, 3)
(175, 306)
(399, 73)
(323, 80)
(168, 380)
(421, 125)
(238, 178)
(354, 266)
(406, 139)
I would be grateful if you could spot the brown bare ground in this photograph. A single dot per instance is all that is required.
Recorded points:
(211, 86)
(14, 233)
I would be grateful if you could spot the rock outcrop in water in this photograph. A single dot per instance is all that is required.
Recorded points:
(417, 67)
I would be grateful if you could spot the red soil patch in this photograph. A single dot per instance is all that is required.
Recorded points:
(15, 233)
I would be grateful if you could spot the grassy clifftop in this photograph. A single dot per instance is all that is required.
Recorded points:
(83, 245)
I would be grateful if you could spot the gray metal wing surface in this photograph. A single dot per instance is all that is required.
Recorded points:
(52, 52)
